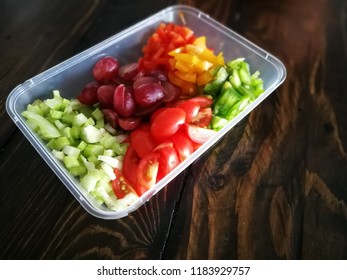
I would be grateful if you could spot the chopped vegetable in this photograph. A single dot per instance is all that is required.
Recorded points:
(137, 122)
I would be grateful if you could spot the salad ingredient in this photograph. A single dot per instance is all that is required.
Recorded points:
(234, 89)
(77, 137)
(137, 122)
(167, 123)
(106, 69)
(147, 170)
(192, 62)
(123, 101)
(166, 38)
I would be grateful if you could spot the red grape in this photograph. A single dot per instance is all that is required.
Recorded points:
(123, 101)
(148, 94)
(106, 69)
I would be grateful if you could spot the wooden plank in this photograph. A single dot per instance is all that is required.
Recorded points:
(39, 218)
(280, 191)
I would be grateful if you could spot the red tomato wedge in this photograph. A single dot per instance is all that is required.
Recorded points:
(120, 185)
(203, 118)
(142, 141)
(130, 164)
(166, 123)
(198, 134)
(203, 101)
(191, 108)
(168, 160)
(182, 144)
(147, 170)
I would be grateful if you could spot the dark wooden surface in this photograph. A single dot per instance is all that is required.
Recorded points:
(275, 187)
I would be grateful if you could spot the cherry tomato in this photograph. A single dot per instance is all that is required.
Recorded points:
(130, 164)
(182, 144)
(191, 108)
(167, 123)
(120, 185)
(168, 160)
(203, 118)
(142, 141)
(204, 101)
(198, 134)
(147, 170)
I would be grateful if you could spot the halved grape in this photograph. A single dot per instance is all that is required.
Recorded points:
(129, 123)
(144, 80)
(148, 94)
(105, 95)
(129, 71)
(171, 92)
(123, 101)
(111, 117)
(88, 94)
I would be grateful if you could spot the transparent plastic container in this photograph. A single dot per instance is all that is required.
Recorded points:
(70, 76)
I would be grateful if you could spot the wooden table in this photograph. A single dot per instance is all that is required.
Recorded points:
(275, 187)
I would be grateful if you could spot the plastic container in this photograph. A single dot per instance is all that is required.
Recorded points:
(70, 76)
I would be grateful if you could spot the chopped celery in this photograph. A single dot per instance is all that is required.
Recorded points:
(90, 134)
(78, 137)
(46, 129)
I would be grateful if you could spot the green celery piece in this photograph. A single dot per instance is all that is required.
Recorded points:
(70, 161)
(68, 118)
(120, 148)
(75, 132)
(93, 149)
(107, 140)
(219, 78)
(79, 170)
(82, 145)
(91, 134)
(79, 119)
(45, 128)
(60, 143)
(55, 102)
(97, 114)
(58, 154)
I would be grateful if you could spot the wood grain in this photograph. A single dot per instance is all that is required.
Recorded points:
(273, 188)
(284, 176)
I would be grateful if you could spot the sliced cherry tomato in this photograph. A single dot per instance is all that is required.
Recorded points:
(191, 108)
(139, 189)
(130, 163)
(203, 118)
(167, 123)
(142, 141)
(147, 170)
(203, 101)
(120, 185)
(182, 144)
(155, 114)
(168, 160)
(198, 134)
